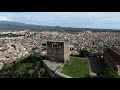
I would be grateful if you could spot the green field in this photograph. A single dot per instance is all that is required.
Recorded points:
(78, 68)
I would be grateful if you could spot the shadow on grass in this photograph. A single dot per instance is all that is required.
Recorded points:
(86, 76)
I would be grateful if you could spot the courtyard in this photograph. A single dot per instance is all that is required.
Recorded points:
(78, 68)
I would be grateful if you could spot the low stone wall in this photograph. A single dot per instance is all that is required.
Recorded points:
(55, 74)
(62, 75)
(58, 72)
(50, 72)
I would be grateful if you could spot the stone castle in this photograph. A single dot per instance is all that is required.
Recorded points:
(58, 51)
(112, 58)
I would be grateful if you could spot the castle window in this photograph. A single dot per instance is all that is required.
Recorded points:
(55, 45)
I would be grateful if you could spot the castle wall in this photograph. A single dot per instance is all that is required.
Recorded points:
(66, 50)
(109, 58)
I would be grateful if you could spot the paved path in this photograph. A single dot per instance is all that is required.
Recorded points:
(52, 65)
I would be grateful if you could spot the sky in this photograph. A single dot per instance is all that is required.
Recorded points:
(107, 20)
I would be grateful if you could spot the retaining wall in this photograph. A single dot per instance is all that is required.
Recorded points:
(55, 74)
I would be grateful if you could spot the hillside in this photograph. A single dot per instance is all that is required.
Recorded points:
(10, 25)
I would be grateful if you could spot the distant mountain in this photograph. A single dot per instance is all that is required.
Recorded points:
(17, 25)
(10, 25)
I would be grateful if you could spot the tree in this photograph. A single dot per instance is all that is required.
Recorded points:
(27, 68)
(84, 53)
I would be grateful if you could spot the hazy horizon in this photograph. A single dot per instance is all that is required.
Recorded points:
(102, 20)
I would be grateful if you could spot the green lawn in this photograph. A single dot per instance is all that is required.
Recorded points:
(78, 68)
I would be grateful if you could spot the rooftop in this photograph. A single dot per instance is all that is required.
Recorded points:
(114, 59)
(116, 49)
(55, 41)
(58, 40)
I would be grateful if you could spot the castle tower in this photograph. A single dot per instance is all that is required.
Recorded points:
(58, 51)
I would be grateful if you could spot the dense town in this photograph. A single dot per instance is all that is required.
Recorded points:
(14, 48)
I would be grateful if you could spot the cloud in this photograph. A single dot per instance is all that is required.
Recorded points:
(69, 19)
(4, 18)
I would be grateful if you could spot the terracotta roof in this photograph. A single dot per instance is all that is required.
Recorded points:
(2, 56)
